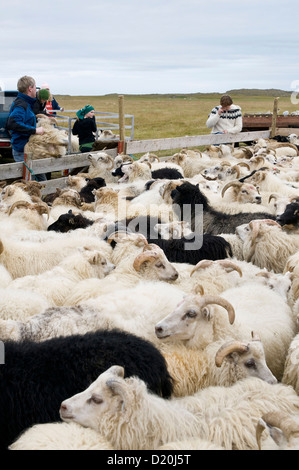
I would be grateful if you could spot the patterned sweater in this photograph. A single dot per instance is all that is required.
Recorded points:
(230, 120)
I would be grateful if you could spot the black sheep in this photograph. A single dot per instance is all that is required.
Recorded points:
(69, 221)
(159, 174)
(188, 198)
(37, 377)
(180, 250)
(86, 193)
(290, 215)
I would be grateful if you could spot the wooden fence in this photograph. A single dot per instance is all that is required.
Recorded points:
(27, 170)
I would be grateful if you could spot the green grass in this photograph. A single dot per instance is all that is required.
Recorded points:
(162, 116)
(176, 115)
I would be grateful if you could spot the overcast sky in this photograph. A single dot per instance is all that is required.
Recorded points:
(96, 47)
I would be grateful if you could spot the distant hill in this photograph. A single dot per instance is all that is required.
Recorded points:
(272, 92)
(258, 92)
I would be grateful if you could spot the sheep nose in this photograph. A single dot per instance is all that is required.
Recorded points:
(158, 330)
(175, 276)
(63, 407)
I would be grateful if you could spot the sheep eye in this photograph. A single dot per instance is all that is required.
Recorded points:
(103, 263)
(160, 265)
(250, 364)
(96, 399)
(191, 314)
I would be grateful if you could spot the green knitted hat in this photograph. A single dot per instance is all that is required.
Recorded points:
(43, 94)
(81, 113)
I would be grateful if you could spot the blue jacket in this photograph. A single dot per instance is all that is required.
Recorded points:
(21, 121)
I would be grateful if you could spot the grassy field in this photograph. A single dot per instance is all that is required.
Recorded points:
(162, 116)
(174, 115)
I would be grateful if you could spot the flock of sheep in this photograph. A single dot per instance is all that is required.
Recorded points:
(154, 305)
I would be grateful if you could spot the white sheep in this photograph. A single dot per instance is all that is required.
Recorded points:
(57, 283)
(130, 418)
(266, 245)
(198, 321)
(52, 143)
(135, 171)
(19, 304)
(290, 374)
(135, 260)
(270, 182)
(283, 429)
(26, 257)
(192, 162)
(101, 165)
(60, 436)
(133, 309)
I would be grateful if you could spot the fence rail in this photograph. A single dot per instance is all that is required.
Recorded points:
(46, 165)
(101, 122)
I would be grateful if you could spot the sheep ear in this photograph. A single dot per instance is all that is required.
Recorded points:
(94, 259)
(277, 436)
(117, 370)
(206, 313)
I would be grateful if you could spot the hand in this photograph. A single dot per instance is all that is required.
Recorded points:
(61, 109)
(225, 132)
(40, 130)
(220, 111)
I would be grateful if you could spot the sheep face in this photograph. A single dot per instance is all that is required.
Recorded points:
(246, 359)
(191, 318)
(182, 322)
(153, 263)
(102, 396)
(290, 216)
(101, 160)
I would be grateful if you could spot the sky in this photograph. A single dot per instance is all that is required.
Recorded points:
(99, 47)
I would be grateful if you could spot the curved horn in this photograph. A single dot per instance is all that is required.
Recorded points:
(143, 257)
(228, 348)
(42, 208)
(214, 299)
(265, 274)
(244, 164)
(230, 266)
(228, 185)
(225, 163)
(272, 196)
(205, 263)
(18, 204)
(117, 236)
(236, 168)
(153, 157)
(278, 419)
(198, 289)
(111, 162)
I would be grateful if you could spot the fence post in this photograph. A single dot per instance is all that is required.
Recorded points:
(121, 117)
(274, 118)
(26, 172)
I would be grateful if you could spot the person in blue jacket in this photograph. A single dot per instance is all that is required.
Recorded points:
(21, 122)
